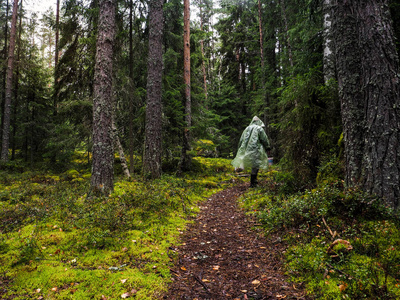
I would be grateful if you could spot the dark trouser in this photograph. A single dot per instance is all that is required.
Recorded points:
(253, 177)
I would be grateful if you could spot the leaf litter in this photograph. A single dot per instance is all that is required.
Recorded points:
(224, 256)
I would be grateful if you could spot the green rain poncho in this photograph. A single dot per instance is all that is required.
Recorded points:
(252, 149)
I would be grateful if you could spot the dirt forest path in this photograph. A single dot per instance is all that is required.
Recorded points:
(223, 258)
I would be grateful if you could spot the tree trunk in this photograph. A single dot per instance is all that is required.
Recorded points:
(185, 158)
(57, 32)
(7, 102)
(4, 72)
(203, 64)
(103, 151)
(367, 67)
(131, 142)
(121, 152)
(56, 54)
(286, 24)
(328, 60)
(153, 139)
(14, 122)
(261, 41)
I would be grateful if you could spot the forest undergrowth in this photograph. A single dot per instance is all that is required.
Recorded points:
(341, 243)
(59, 242)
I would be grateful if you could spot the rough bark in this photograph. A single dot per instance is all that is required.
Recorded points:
(185, 158)
(103, 151)
(369, 87)
(7, 101)
(153, 139)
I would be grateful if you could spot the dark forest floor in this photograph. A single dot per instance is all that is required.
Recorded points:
(225, 256)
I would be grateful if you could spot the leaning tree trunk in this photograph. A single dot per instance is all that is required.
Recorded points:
(103, 151)
(185, 158)
(367, 66)
(153, 142)
(7, 101)
(122, 158)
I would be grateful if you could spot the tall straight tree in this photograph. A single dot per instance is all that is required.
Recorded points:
(367, 67)
(7, 101)
(103, 151)
(153, 141)
(4, 71)
(185, 159)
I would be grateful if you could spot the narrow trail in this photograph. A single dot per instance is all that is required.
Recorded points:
(222, 257)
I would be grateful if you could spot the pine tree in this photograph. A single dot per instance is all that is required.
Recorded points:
(103, 141)
(367, 66)
(153, 141)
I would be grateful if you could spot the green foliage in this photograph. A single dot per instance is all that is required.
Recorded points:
(310, 124)
(205, 148)
(342, 243)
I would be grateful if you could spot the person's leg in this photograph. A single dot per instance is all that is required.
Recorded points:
(253, 177)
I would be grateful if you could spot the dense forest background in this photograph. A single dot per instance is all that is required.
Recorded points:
(264, 58)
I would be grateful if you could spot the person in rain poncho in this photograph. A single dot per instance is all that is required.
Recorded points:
(252, 149)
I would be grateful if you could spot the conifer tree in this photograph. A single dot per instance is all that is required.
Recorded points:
(153, 141)
(103, 141)
(369, 85)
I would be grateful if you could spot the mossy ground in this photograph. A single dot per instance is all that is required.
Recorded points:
(311, 220)
(58, 242)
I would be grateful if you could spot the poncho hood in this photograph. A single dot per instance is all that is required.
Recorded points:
(252, 147)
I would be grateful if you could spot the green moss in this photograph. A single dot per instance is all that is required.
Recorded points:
(62, 244)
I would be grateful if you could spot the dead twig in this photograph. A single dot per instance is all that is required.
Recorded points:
(333, 234)
(201, 282)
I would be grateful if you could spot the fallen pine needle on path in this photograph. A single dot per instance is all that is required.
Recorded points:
(223, 257)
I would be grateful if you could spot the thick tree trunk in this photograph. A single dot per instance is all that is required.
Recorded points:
(7, 103)
(153, 139)
(103, 151)
(185, 158)
(367, 66)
